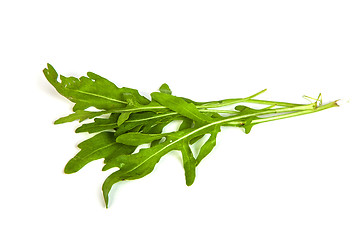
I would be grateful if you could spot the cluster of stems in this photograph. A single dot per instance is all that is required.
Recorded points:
(270, 110)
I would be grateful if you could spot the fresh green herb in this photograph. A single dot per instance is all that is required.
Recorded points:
(125, 122)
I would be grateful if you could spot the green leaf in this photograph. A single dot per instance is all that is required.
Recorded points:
(133, 97)
(97, 147)
(123, 117)
(91, 91)
(248, 124)
(80, 115)
(132, 166)
(165, 89)
(180, 106)
(86, 92)
(136, 138)
(100, 124)
(188, 163)
(208, 146)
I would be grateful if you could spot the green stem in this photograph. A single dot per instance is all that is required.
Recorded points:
(237, 113)
(219, 111)
(221, 103)
(227, 102)
(266, 102)
(213, 104)
(294, 114)
(175, 113)
(231, 101)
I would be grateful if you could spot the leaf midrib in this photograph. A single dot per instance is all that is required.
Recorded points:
(152, 117)
(101, 96)
(99, 149)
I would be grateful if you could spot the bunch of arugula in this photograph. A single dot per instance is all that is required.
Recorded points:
(128, 129)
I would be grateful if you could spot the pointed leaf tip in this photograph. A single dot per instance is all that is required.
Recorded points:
(164, 88)
(50, 70)
(69, 169)
(49, 65)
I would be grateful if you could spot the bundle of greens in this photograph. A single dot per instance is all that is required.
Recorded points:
(127, 129)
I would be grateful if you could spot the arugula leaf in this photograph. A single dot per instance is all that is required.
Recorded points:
(208, 146)
(137, 138)
(248, 124)
(188, 163)
(86, 92)
(132, 166)
(165, 89)
(80, 115)
(91, 91)
(180, 106)
(100, 124)
(123, 117)
(97, 147)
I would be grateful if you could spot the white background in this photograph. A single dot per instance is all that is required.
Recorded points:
(291, 179)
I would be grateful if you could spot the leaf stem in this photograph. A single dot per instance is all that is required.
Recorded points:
(293, 107)
(216, 104)
(294, 114)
